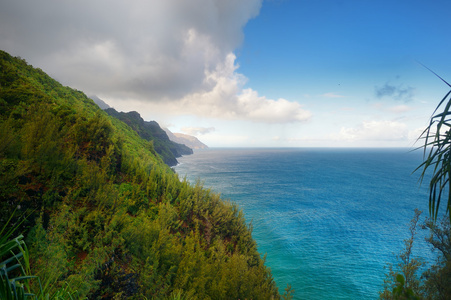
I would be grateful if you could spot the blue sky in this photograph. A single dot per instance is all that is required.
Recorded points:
(275, 73)
(304, 44)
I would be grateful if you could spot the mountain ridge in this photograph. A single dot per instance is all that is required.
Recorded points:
(155, 132)
(102, 104)
(151, 131)
(188, 140)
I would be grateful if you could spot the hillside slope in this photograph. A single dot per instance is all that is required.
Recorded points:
(105, 214)
(102, 104)
(151, 131)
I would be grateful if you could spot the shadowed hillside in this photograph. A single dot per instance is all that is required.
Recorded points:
(151, 131)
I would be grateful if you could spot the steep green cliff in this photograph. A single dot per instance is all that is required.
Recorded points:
(151, 131)
(105, 214)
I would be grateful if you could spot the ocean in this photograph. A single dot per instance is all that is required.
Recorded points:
(328, 220)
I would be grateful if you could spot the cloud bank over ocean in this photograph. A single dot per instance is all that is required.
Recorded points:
(175, 54)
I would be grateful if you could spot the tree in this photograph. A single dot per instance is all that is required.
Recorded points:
(437, 278)
(402, 281)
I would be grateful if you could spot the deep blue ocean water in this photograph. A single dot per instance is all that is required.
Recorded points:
(329, 220)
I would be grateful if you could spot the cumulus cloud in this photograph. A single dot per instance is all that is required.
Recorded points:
(226, 99)
(396, 92)
(375, 131)
(197, 130)
(147, 51)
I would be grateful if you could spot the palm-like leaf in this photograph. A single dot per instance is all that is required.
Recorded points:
(13, 255)
(437, 154)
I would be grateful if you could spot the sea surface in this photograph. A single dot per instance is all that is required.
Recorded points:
(329, 220)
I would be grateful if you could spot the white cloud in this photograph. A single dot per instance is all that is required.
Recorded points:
(415, 134)
(332, 95)
(144, 49)
(374, 131)
(399, 109)
(225, 140)
(197, 130)
(172, 54)
(226, 99)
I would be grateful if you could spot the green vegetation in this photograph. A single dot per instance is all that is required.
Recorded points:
(437, 146)
(13, 250)
(15, 271)
(151, 131)
(403, 280)
(107, 217)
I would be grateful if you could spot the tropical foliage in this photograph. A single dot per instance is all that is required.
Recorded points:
(409, 278)
(14, 266)
(403, 280)
(437, 154)
(15, 271)
(107, 217)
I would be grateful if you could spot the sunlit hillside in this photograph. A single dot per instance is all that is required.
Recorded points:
(105, 216)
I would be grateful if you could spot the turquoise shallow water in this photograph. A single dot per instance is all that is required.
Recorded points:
(328, 219)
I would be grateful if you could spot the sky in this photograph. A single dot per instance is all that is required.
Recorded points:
(248, 73)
